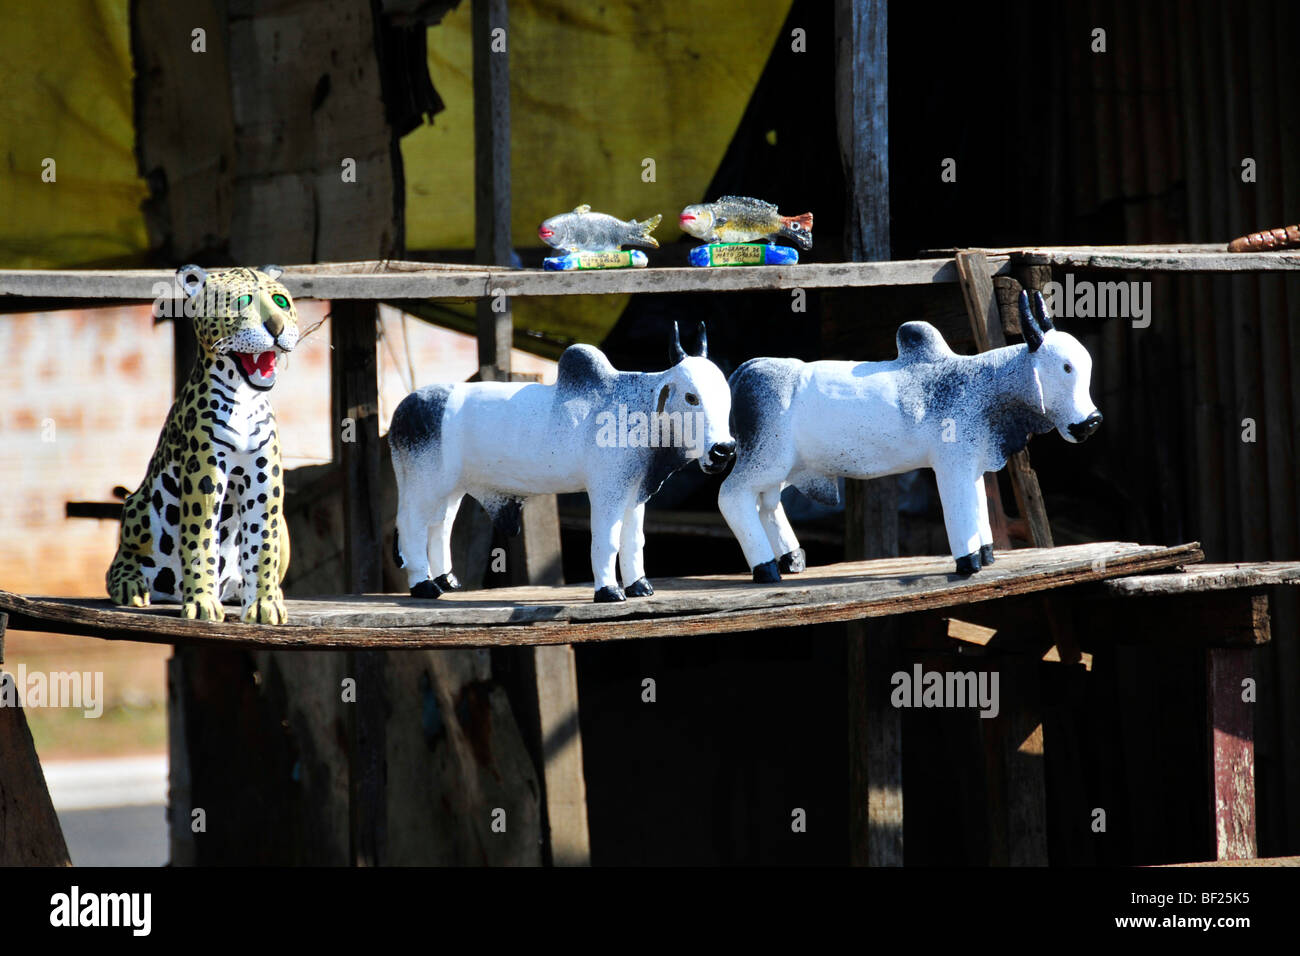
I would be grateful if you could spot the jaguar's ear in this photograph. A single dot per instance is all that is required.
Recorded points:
(272, 272)
(192, 279)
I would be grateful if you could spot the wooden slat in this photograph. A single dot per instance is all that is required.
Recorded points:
(1208, 577)
(436, 282)
(715, 604)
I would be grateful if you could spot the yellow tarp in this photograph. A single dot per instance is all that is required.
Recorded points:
(596, 89)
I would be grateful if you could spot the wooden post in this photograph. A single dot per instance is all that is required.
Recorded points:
(30, 834)
(492, 180)
(987, 325)
(542, 681)
(1231, 728)
(354, 373)
(543, 687)
(871, 508)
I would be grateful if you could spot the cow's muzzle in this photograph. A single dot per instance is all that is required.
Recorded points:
(1081, 430)
(720, 456)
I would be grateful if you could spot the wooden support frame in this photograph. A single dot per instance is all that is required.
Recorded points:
(30, 834)
(987, 325)
(871, 508)
(542, 681)
(354, 370)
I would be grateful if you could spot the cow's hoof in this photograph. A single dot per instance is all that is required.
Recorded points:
(448, 582)
(426, 589)
(769, 572)
(986, 555)
(639, 588)
(968, 563)
(609, 595)
(792, 562)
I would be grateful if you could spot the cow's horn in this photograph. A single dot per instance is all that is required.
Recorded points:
(704, 342)
(676, 353)
(1040, 313)
(1028, 327)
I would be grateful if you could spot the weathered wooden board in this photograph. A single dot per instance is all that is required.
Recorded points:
(715, 604)
(434, 281)
(1207, 577)
(1159, 260)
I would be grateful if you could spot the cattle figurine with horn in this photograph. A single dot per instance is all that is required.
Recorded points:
(809, 424)
(615, 435)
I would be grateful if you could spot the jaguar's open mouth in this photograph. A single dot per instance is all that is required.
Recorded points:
(258, 368)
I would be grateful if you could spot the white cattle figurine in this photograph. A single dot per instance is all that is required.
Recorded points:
(807, 424)
(616, 435)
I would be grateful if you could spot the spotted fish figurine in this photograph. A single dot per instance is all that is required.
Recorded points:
(742, 219)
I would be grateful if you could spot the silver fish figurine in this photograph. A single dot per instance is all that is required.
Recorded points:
(743, 219)
(585, 231)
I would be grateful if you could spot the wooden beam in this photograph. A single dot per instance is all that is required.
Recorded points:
(987, 327)
(492, 244)
(1230, 721)
(871, 508)
(714, 604)
(375, 281)
(30, 834)
(542, 681)
(355, 403)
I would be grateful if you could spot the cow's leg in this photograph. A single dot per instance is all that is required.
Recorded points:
(986, 529)
(780, 535)
(631, 553)
(440, 543)
(738, 502)
(607, 511)
(961, 514)
(415, 509)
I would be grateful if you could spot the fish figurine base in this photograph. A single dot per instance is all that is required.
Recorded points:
(574, 261)
(743, 254)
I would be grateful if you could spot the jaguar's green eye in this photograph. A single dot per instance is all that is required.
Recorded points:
(281, 300)
(243, 302)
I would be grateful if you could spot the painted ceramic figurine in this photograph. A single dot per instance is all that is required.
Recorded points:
(616, 435)
(206, 525)
(594, 240)
(738, 230)
(807, 424)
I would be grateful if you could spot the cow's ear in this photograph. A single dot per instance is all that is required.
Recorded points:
(192, 279)
(1028, 327)
(272, 272)
(1040, 313)
(663, 399)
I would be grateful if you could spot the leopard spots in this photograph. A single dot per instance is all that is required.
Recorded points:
(183, 530)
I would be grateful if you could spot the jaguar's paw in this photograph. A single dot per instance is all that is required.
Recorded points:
(205, 607)
(130, 592)
(265, 610)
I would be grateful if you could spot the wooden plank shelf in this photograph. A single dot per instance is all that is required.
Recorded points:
(715, 604)
(396, 280)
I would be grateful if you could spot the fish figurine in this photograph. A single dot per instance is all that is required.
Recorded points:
(585, 231)
(742, 219)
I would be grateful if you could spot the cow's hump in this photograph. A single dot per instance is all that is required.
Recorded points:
(920, 342)
(582, 368)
